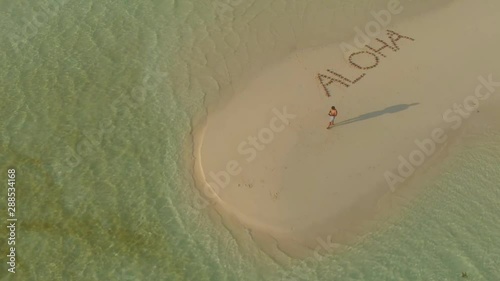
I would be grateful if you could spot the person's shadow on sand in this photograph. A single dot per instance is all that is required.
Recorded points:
(390, 109)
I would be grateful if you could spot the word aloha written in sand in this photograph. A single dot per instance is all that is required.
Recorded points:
(370, 61)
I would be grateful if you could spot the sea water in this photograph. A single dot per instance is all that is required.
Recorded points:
(98, 104)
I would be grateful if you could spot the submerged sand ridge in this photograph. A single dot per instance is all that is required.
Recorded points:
(267, 159)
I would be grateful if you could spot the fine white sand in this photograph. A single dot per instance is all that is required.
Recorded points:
(305, 180)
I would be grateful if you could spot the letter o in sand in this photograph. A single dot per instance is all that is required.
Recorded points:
(368, 28)
(266, 135)
(417, 158)
(471, 103)
(375, 60)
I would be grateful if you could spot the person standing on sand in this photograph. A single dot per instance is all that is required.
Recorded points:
(332, 114)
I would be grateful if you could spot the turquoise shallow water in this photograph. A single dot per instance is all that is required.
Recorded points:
(451, 228)
(98, 101)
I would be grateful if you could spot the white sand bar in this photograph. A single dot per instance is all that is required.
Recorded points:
(296, 177)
